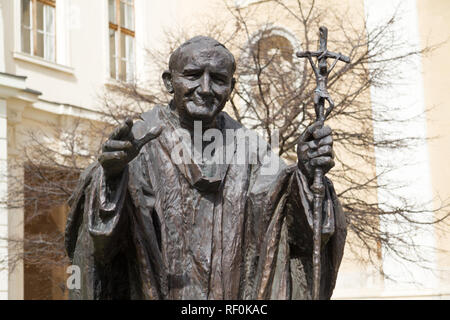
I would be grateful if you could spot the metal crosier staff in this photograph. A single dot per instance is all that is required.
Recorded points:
(321, 72)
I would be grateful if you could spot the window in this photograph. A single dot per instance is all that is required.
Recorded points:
(121, 40)
(270, 79)
(271, 57)
(38, 28)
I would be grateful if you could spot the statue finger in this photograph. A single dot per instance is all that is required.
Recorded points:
(303, 148)
(312, 144)
(117, 145)
(112, 157)
(330, 165)
(152, 134)
(328, 140)
(308, 133)
(123, 131)
(324, 162)
(322, 151)
(321, 132)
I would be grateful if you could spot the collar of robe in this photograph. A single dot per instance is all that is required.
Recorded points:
(204, 176)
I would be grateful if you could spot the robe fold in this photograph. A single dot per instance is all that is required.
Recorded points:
(166, 229)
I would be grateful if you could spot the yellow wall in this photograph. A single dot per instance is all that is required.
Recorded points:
(434, 23)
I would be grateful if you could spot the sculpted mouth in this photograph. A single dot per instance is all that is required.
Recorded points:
(202, 103)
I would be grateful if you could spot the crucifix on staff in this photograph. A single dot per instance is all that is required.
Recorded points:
(321, 71)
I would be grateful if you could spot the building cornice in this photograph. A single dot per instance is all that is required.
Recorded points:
(14, 86)
(69, 110)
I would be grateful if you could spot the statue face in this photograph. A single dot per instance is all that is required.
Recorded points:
(202, 81)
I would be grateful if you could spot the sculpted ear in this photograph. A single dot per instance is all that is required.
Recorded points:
(167, 79)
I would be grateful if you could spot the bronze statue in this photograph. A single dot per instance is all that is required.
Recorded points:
(144, 225)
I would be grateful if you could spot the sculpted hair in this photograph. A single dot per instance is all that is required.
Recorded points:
(209, 42)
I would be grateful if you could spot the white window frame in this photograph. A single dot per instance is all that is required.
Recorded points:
(33, 28)
(128, 57)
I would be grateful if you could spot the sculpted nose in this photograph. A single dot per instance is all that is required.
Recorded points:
(205, 84)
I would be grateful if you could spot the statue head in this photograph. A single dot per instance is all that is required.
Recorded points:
(200, 77)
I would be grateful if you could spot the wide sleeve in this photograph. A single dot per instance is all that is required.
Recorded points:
(113, 235)
(282, 225)
(299, 218)
(101, 202)
(97, 236)
(107, 218)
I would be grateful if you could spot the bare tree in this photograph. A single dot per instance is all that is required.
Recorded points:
(274, 92)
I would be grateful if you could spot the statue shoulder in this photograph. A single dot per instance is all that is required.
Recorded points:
(227, 122)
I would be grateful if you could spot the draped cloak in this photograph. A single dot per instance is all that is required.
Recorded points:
(169, 230)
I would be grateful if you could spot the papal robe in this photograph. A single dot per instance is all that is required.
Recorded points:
(167, 229)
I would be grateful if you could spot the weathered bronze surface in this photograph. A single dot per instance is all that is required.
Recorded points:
(320, 96)
(145, 226)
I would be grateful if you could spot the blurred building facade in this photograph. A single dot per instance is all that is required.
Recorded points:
(57, 55)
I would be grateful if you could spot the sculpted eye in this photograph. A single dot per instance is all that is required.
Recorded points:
(192, 75)
(219, 79)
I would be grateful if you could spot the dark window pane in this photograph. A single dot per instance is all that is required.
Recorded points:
(122, 14)
(123, 62)
(126, 58)
(123, 70)
(26, 26)
(26, 13)
(40, 16)
(112, 53)
(40, 44)
(26, 40)
(123, 47)
(112, 11)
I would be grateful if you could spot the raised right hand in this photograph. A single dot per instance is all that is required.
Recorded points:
(121, 147)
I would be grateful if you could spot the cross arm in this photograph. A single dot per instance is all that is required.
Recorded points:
(305, 54)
